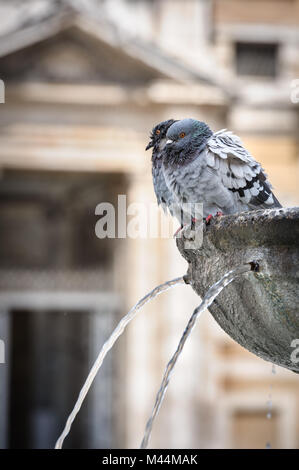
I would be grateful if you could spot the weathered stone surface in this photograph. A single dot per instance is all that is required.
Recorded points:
(258, 310)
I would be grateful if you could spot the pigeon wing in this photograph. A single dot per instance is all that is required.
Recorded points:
(239, 172)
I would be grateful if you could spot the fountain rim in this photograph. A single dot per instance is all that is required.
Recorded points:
(264, 226)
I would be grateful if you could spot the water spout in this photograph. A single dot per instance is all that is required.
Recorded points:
(210, 296)
(106, 348)
(267, 320)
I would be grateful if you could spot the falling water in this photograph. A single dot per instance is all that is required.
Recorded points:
(106, 348)
(210, 296)
(270, 404)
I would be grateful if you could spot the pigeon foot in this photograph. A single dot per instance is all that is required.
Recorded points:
(178, 230)
(208, 219)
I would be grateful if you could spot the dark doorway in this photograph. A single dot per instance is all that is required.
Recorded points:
(50, 360)
(48, 247)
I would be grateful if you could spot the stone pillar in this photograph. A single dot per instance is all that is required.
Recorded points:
(143, 271)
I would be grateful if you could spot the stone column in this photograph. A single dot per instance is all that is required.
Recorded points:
(143, 271)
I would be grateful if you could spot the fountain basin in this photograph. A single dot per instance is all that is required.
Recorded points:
(259, 310)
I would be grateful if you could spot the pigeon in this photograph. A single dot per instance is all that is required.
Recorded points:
(214, 169)
(164, 195)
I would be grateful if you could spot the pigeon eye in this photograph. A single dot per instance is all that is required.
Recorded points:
(158, 131)
(182, 135)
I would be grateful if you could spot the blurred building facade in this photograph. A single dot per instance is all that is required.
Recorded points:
(84, 84)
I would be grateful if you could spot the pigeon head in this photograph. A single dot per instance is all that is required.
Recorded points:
(158, 135)
(184, 138)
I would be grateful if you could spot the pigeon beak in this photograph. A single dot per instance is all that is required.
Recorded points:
(150, 144)
(169, 141)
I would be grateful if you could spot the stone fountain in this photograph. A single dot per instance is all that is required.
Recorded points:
(258, 310)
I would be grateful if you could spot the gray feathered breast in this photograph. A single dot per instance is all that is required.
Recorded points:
(165, 197)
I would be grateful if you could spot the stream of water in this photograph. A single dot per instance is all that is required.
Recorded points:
(106, 348)
(210, 296)
(270, 404)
